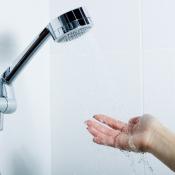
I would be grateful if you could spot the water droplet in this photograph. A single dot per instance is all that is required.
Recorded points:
(138, 159)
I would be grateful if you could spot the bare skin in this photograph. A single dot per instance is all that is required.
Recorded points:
(140, 134)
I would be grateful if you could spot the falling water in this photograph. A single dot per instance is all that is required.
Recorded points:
(137, 159)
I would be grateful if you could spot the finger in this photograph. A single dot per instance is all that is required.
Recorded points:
(105, 130)
(133, 123)
(134, 120)
(107, 141)
(115, 124)
(101, 138)
(97, 140)
(95, 132)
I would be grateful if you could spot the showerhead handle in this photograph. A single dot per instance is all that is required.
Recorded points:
(66, 27)
(11, 72)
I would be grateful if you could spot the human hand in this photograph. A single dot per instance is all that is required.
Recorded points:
(135, 135)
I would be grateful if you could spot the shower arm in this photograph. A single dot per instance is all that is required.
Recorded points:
(12, 72)
(7, 97)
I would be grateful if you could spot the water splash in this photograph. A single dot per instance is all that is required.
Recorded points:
(145, 161)
(137, 159)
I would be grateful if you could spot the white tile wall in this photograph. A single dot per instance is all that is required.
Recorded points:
(158, 24)
(99, 73)
(25, 146)
(123, 67)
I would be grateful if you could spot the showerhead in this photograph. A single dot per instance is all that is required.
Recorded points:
(64, 28)
(70, 25)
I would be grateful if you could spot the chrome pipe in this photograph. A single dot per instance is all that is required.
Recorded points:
(12, 71)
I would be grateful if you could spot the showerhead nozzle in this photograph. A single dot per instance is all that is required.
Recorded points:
(70, 25)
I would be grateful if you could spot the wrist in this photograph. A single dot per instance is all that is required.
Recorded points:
(153, 139)
(154, 136)
(162, 143)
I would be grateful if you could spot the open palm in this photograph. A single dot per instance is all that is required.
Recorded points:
(133, 136)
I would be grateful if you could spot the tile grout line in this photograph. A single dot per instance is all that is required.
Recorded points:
(141, 55)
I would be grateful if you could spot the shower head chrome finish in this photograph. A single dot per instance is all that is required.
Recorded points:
(70, 25)
(66, 27)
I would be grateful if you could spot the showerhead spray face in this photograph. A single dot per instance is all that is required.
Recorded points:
(70, 25)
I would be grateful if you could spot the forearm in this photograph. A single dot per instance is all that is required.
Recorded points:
(162, 145)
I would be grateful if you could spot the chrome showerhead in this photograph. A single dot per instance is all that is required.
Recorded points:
(70, 25)
(66, 27)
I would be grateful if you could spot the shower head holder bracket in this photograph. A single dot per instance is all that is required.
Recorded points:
(8, 103)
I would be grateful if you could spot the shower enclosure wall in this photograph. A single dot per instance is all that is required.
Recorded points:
(129, 55)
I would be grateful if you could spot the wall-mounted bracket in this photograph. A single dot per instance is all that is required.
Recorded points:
(7, 100)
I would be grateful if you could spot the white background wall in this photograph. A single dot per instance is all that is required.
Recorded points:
(123, 67)
(25, 142)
